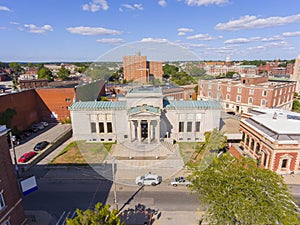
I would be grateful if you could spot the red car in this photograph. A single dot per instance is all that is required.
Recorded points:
(26, 156)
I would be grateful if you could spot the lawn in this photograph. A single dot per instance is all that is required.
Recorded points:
(80, 152)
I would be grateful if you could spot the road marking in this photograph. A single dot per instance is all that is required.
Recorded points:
(60, 218)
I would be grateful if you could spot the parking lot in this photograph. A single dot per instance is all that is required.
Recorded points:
(51, 133)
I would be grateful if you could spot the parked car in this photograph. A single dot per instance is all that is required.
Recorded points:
(180, 181)
(26, 156)
(148, 179)
(40, 146)
(43, 123)
(37, 126)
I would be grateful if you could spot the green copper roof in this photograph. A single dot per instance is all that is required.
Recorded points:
(192, 105)
(97, 105)
(143, 108)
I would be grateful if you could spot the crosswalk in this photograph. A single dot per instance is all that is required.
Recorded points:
(64, 216)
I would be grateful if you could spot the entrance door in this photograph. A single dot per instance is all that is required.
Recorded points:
(144, 129)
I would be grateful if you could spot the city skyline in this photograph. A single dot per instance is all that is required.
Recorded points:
(86, 30)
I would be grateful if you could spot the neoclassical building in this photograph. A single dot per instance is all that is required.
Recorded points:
(272, 136)
(143, 115)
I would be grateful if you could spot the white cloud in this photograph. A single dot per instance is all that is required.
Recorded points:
(131, 7)
(162, 3)
(4, 8)
(110, 40)
(205, 2)
(274, 38)
(92, 31)
(14, 23)
(205, 37)
(32, 28)
(159, 40)
(242, 40)
(291, 34)
(95, 5)
(183, 30)
(250, 22)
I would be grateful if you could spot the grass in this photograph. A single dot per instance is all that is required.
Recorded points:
(189, 149)
(81, 152)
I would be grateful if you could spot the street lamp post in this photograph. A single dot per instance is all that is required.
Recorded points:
(14, 151)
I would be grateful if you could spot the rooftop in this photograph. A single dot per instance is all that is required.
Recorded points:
(168, 104)
(98, 105)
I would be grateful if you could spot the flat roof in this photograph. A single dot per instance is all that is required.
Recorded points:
(146, 89)
(173, 104)
(98, 105)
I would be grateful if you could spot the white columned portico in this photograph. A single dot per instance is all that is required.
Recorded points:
(157, 132)
(149, 130)
(139, 132)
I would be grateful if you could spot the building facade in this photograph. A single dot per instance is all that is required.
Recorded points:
(239, 95)
(272, 137)
(11, 204)
(137, 69)
(144, 116)
(296, 74)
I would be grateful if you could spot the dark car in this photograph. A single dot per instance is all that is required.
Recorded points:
(26, 156)
(41, 145)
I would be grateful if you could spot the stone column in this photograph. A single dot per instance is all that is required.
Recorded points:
(139, 131)
(130, 131)
(157, 131)
(149, 130)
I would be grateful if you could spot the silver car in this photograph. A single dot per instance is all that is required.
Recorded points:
(148, 179)
(180, 181)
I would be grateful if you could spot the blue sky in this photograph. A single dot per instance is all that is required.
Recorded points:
(84, 30)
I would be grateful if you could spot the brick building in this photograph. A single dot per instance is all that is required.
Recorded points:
(11, 205)
(296, 74)
(239, 95)
(48, 104)
(136, 68)
(272, 136)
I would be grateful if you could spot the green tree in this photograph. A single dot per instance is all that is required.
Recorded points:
(45, 73)
(170, 69)
(215, 140)
(236, 191)
(296, 106)
(99, 216)
(15, 66)
(63, 73)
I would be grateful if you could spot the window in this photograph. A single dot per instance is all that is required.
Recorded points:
(228, 88)
(6, 222)
(181, 126)
(189, 127)
(263, 102)
(68, 99)
(264, 93)
(239, 90)
(284, 163)
(251, 92)
(209, 94)
(238, 98)
(101, 127)
(197, 127)
(93, 127)
(228, 97)
(209, 86)
(2, 203)
(109, 127)
(250, 100)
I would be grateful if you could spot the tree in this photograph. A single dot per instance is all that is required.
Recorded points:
(99, 216)
(63, 73)
(296, 106)
(45, 73)
(236, 191)
(215, 140)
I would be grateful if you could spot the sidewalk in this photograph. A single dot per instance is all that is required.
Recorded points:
(38, 217)
(292, 179)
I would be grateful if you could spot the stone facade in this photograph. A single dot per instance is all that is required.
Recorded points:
(144, 116)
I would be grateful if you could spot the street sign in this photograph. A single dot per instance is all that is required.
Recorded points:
(28, 185)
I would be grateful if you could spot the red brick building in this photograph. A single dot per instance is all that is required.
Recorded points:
(11, 204)
(47, 104)
(272, 136)
(136, 68)
(239, 95)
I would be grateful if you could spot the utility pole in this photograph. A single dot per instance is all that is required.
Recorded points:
(114, 184)
(14, 151)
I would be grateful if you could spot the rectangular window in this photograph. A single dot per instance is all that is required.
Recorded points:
(197, 127)
(284, 163)
(228, 88)
(264, 93)
(109, 127)
(189, 127)
(2, 203)
(250, 100)
(101, 127)
(93, 127)
(238, 98)
(239, 90)
(251, 92)
(228, 96)
(68, 99)
(181, 126)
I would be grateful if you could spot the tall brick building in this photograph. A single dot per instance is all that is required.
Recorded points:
(296, 74)
(136, 68)
(239, 95)
(272, 136)
(11, 205)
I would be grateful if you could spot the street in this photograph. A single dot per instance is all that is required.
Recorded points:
(61, 190)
